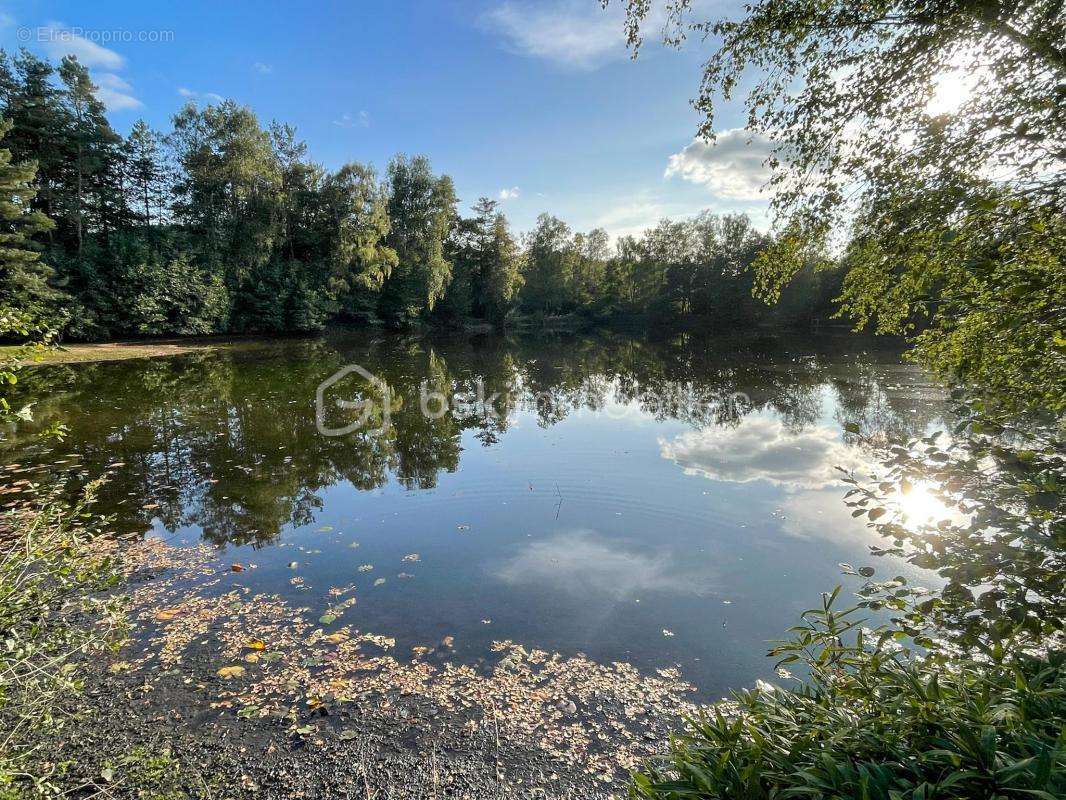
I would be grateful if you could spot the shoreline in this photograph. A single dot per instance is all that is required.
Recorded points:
(123, 350)
(128, 349)
(314, 714)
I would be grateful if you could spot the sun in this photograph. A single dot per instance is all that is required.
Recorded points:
(920, 506)
(955, 84)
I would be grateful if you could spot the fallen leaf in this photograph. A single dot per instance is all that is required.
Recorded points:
(231, 672)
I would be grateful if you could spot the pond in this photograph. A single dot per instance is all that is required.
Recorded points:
(658, 503)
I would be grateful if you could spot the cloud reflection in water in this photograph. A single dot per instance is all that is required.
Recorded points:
(583, 562)
(763, 449)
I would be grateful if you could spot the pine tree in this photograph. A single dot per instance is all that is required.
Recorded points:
(93, 155)
(144, 173)
(23, 276)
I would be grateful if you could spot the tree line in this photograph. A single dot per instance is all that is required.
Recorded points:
(224, 225)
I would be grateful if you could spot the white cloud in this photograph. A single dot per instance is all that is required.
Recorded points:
(6, 20)
(263, 69)
(192, 94)
(360, 120)
(573, 33)
(763, 449)
(732, 166)
(59, 41)
(509, 194)
(114, 92)
(631, 219)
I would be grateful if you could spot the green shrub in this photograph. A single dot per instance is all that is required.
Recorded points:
(875, 723)
(51, 610)
(962, 694)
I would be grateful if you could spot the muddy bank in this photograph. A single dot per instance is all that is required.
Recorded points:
(277, 701)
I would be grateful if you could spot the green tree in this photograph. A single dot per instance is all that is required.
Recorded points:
(548, 266)
(228, 188)
(954, 214)
(421, 210)
(356, 208)
(145, 173)
(39, 129)
(591, 251)
(93, 156)
(501, 276)
(24, 276)
(486, 262)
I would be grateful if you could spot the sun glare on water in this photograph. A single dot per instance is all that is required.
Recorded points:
(920, 506)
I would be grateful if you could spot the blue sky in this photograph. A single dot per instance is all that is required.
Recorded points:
(537, 103)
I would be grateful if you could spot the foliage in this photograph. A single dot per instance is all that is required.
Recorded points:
(962, 693)
(694, 271)
(49, 613)
(999, 539)
(954, 214)
(23, 276)
(875, 724)
(223, 224)
(421, 210)
(486, 273)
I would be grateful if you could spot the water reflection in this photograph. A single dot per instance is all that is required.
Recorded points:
(761, 448)
(226, 441)
(616, 490)
(583, 561)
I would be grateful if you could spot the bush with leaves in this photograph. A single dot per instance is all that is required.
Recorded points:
(875, 722)
(962, 693)
(51, 611)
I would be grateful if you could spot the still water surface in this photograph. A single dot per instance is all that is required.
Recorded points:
(661, 504)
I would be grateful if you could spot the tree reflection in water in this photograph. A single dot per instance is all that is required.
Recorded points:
(226, 439)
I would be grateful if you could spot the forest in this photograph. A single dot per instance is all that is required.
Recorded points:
(182, 539)
(222, 225)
